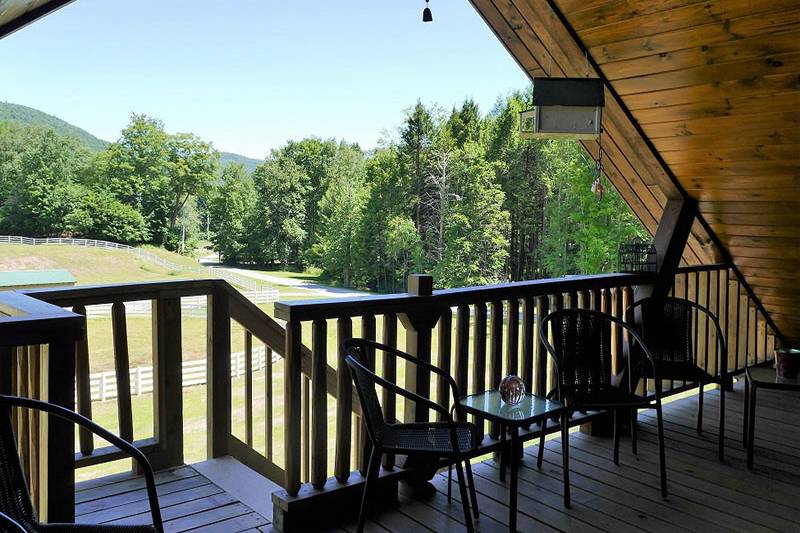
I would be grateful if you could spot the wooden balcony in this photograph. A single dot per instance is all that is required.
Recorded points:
(307, 467)
(705, 495)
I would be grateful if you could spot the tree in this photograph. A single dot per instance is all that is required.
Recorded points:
(44, 191)
(192, 164)
(101, 216)
(231, 206)
(342, 210)
(276, 227)
(416, 137)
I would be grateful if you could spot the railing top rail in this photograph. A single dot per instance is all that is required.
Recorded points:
(123, 292)
(405, 303)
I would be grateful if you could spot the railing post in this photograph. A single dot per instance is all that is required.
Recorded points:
(292, 406)
(167, 383)
(419, 328)
(119, 330)
(58, 478)
(218, 373)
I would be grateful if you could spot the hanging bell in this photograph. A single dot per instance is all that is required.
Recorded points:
(427, 16)
(597, 188)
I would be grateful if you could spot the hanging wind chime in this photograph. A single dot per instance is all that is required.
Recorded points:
(427, 16)
(597, 184)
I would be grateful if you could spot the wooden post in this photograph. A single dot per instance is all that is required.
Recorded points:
(84, 385)
(390, 373)
(167, 383)
(344, 402)
(292, 406)
(419, 328)
(119, 331)
(58, 477)
(319, 403)
(218, 368)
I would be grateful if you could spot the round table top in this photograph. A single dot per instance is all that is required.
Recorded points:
(768, 378)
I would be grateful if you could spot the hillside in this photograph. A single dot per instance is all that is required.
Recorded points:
(249, 163)
(28, 115)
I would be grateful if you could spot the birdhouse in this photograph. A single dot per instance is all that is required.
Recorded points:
(563, 107)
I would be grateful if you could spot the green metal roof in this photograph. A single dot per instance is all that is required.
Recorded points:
(32, 278)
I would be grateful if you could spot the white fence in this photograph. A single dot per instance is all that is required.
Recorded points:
(104, 384)
(234, 279)
(191, 306)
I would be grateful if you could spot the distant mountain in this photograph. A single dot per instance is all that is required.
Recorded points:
(29, 115)
(249, 163)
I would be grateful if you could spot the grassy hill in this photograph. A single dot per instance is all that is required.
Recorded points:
(249, 163)
(28, 115)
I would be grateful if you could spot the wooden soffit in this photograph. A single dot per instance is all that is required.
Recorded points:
(15, 14)
(703, 101)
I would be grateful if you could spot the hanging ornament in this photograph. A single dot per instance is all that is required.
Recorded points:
(597, 185)
(427, 16)
(597, 188)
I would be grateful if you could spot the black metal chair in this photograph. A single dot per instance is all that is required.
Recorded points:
(454, 439)
(15, 502)
(665, 324)
(581, 351)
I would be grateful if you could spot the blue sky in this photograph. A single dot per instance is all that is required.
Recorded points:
(250, 74)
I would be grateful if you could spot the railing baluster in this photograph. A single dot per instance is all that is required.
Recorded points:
(512, 339)
(738, 320)
(755, 335)
(364, 447)
(478, 354)
(528, 340)
(445, 349)
(542, 307)
(462, 349)
(84, 386)
(218, 398)
(306, 428)
(747, 331)
(319, 405)
(495, 354)
(344, 404)
(119, 329)
(705, 319)
(390, 373)
(269, 449)
(248, 388)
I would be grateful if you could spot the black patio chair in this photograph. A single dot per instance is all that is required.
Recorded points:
(666, 326)
(581, 351)
(15, 502)
(454, 439)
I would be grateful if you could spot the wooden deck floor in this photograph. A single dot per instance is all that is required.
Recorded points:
(704, 494)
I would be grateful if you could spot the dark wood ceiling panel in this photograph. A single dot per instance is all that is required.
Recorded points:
(706, 93)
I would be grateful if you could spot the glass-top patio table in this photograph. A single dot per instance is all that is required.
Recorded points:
(531, 410)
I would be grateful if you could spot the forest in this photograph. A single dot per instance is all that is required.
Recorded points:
(456, 194)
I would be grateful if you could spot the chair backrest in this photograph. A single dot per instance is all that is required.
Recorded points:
(365, 380)
(665, 324)
(15, 501)
(581, 349)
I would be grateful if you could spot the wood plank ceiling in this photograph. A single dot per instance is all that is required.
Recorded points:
(15, 14)
(706, 93)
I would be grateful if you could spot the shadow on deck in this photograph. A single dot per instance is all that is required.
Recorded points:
(705, 495)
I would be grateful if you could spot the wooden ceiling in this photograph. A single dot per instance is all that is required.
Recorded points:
(703, 99)
(15, 14)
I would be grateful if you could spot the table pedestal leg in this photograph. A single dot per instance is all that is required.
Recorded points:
(515, 460)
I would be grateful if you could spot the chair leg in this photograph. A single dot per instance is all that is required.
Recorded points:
(616, 436)
(372, 475)
(565, 458)
(722, 419)
(449, 483)
(661, 455)
(473, 496)
(540, 451)
(634, 424)
(462, 485)
(700, 410)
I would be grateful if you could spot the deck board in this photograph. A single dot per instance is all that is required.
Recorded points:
(704, 494)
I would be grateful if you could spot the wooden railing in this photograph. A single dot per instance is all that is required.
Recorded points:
(225, 306)
(479, 334)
